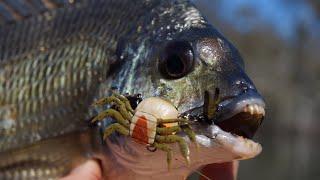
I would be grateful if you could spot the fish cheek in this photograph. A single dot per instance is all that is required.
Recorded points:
(185, 93)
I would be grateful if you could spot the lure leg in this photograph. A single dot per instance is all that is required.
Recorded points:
(114, 114)
(184, 149)
(168, 130)
(192, 136)
(185, 127)
(126, 102)
(167, 149)
(115, 127)
(121, 105)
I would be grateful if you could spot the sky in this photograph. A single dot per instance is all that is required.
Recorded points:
(281, 15)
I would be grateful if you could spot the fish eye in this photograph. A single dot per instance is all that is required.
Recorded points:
(177, 60)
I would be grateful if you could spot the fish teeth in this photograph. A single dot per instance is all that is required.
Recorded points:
(262, 111)
(251, 109)
(254, 109)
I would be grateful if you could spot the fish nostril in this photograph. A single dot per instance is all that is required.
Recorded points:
(243, 86)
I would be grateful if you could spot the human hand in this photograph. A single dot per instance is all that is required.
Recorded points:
(90, 170)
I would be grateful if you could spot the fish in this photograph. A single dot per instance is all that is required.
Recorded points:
(57, 57)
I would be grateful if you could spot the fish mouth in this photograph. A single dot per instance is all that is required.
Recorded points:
(241, 115)
(225, 136)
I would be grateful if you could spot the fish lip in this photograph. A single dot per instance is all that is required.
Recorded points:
(233, 106)
(243, 147)
(213, 136)
(249, 103)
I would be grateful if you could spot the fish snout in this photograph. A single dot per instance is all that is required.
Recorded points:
(241, 114)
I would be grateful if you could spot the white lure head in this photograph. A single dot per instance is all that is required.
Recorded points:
(158, 107)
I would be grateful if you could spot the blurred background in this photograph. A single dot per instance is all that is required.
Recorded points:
(280, 43)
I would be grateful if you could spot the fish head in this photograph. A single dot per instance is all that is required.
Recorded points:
(189, 63)
(203, 75)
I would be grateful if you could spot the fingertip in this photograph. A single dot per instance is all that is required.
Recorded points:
(89, 170)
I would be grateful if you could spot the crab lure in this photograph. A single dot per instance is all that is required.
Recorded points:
(154, 123)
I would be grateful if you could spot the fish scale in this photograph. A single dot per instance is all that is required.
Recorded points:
(52, 85)
(51, 65)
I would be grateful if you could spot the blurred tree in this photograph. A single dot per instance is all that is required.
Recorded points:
(286, 69)
(316, 6)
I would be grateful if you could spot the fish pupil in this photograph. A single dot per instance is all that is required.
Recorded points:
(175, 66)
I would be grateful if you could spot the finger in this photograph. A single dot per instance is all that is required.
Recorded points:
(222, 171)
(89, 170)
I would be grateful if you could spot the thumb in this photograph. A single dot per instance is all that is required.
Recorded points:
(89, 170)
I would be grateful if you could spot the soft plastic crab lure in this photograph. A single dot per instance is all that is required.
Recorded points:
(154, 122)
